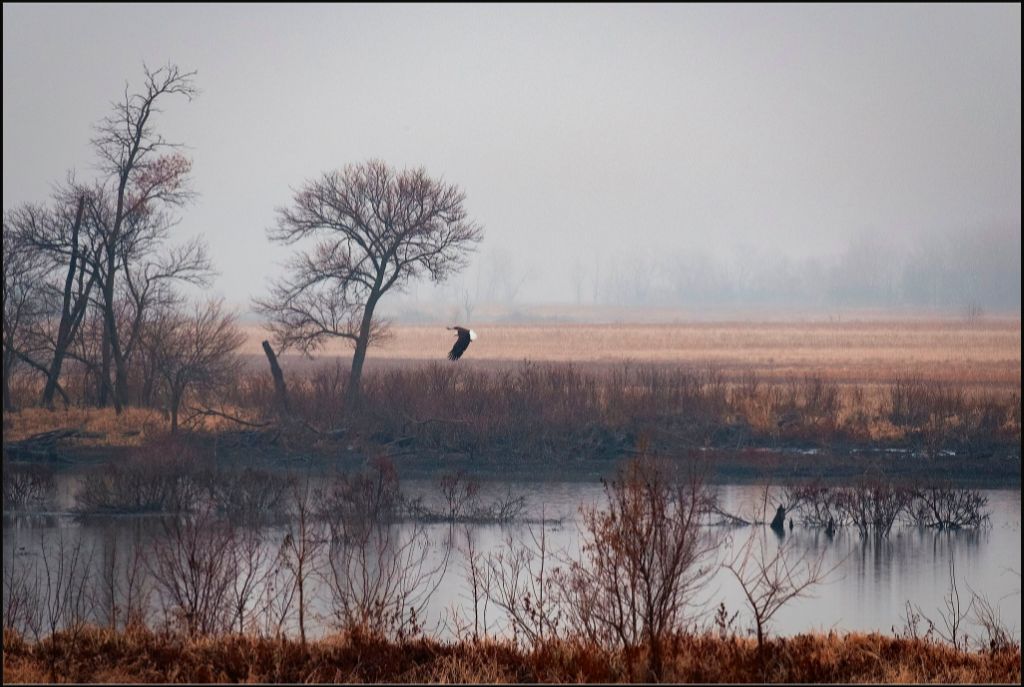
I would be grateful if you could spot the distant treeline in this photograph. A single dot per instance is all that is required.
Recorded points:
(957, 271)
(977, 269)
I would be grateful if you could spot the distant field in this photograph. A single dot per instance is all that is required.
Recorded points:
(984, 353)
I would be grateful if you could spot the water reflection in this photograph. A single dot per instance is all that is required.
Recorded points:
(873, 578)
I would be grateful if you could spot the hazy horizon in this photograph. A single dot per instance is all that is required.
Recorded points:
(695, 158)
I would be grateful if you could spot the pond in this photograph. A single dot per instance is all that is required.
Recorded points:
(870, 584)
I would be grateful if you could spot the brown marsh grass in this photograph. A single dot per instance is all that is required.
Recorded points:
(140, 655)
(593, 389)
(985, 352)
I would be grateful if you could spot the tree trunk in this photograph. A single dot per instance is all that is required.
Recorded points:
(110, 321)
(103, 387)
(280, 392)
(52, 375)
(175, 402)
(355, 378)
(359, 356)
(654, 664)
(8, 366)
(69, 318)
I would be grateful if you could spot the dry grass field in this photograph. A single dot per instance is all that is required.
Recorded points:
(981, 353)
(939, 387)
(95, 655)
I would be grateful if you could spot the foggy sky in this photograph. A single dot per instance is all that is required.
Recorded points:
(586, 138)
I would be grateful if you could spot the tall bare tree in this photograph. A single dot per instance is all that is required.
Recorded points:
(63, 237)
(147, 177)
(376, 228)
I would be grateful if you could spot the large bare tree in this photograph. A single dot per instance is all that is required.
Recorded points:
(64, 240)
(147, 176)
(376, 229)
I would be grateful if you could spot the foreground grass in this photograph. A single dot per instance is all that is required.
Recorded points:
(97, 655)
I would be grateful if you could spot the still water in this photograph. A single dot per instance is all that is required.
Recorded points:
(870, 584)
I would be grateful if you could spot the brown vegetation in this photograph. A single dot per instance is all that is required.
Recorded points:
(97, 655)
(934, 388)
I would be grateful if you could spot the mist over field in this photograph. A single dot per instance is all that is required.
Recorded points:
(472, 343)
(701, 158)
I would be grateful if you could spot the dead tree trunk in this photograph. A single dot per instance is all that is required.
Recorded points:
(280, 392)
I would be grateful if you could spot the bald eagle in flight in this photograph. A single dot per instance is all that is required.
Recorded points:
(462, 343)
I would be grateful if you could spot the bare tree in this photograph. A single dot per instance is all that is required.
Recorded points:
(23, 274)
(771, 580)
(377, 229)
(194, 352)
(147, 290)
(645, 559)
(147, 177)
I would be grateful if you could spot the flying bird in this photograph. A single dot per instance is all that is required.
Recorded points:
(462, 343)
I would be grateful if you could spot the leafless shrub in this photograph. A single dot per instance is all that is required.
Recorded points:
(252, 565)
(378, 571)
(724, 624)
(303, 543)
(952, 615)
(820, 403)
(523, 583)
(771, 580)
(906, 402)
(873, 505)
(912, 622)
(644, 560)
(505, 509)
(364, 499)
(192, 574)
(64, 585)
(248, 496)
(460, 494)
(461, 503)
(20, 591)
(818, 504)
(948, 508)
(478, 574)
(160, 480)
(987, 616)
(28, 487)
(121, 589)
(275, 598)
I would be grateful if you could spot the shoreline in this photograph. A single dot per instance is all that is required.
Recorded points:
(999, 466)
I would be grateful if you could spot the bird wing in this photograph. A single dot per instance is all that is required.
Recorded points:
(461, 344)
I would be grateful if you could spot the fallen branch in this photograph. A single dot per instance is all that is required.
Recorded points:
(209, 412)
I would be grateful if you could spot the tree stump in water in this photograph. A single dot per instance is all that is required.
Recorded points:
(779, 521)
